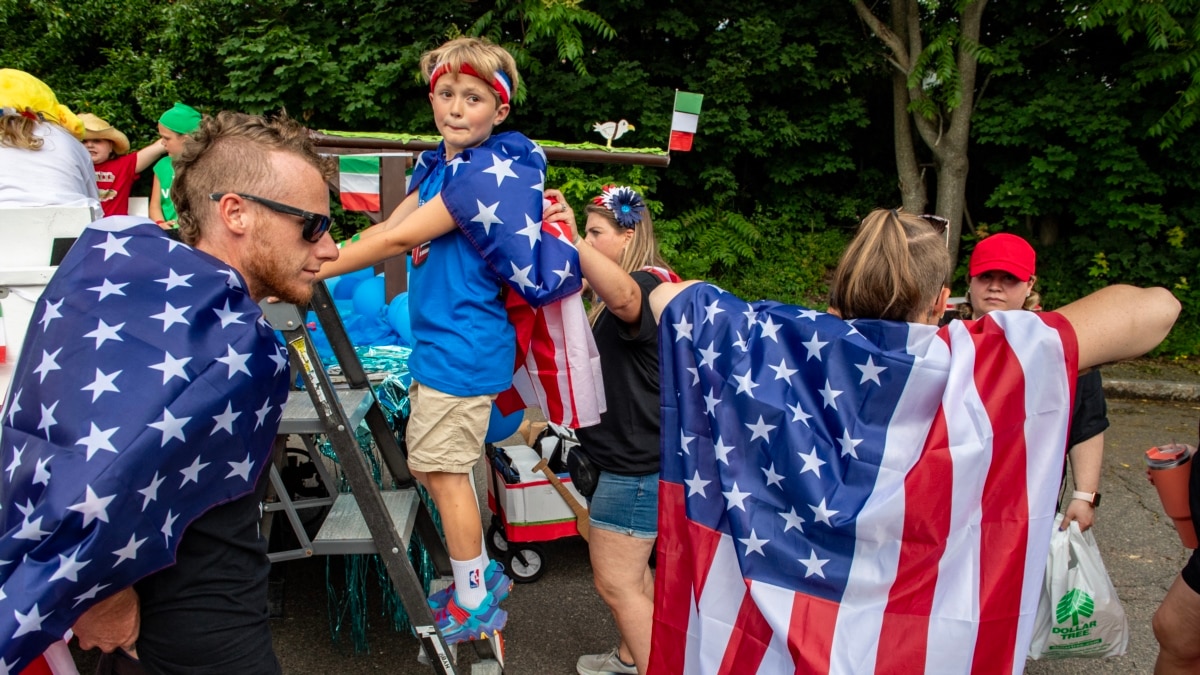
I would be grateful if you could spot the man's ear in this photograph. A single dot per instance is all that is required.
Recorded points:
(231, 214)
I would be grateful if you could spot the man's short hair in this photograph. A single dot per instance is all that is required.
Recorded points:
(229, 153)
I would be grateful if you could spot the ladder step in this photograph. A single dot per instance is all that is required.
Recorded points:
(345, 532)
(300, 415)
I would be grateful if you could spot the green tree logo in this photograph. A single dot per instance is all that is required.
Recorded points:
(1074, 604)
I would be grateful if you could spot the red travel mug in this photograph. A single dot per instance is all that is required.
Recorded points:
(1170, 470)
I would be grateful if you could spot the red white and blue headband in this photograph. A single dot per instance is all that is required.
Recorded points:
(500, 81)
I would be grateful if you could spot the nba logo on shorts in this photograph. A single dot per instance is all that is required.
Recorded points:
(473, 579)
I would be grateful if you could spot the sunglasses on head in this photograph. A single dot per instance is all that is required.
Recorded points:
(315, 224)
(939, 224)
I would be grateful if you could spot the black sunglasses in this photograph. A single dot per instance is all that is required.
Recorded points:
(315, 224)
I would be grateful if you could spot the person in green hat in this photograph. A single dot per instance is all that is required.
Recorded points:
(173, 126)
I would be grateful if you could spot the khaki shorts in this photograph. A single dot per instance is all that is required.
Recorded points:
(445, 433)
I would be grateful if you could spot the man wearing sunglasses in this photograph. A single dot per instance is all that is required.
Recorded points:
(145, 410)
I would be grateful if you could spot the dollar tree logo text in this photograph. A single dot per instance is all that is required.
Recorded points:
(1074, 604)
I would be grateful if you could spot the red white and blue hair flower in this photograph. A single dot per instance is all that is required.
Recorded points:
(625, 204)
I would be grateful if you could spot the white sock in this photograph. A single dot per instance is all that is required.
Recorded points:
(469, 586)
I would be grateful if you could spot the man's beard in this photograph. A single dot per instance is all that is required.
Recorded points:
(267, 272)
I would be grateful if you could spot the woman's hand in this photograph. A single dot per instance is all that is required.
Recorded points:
(559, 211)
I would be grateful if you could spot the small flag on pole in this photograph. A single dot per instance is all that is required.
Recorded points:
(358, 182)
(684, 119)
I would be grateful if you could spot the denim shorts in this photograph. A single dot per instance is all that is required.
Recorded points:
(626, 505)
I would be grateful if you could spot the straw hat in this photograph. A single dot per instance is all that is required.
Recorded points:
(21, 91)
(95, 128)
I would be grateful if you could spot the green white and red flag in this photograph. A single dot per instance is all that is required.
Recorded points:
(684, 120)
(358, 182)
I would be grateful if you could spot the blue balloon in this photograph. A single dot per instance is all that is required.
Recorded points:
(369, 297)
(347, 283)
(502, 426)
(331, 284)
(397, 318)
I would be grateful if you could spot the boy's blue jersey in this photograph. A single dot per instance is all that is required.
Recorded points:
(464, 344)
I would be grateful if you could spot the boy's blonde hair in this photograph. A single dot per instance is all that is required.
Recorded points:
(481, 54)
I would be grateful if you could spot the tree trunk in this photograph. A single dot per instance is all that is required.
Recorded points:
(948, 137)
(913, 192)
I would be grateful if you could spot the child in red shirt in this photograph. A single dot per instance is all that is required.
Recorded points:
(115, 169)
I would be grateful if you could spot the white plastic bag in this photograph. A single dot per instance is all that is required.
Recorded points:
(1079, 614)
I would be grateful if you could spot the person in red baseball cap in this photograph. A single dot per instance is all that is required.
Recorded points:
(1002, 275)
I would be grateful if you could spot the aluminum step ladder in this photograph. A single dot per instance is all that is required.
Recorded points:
(368, 519)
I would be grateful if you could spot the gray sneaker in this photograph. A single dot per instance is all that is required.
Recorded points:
(601, 664)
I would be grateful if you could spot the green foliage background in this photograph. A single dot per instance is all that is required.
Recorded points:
(1083, 137)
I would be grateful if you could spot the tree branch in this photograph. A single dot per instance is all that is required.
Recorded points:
(884, 33)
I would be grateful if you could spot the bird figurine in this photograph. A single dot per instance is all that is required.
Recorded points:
(611, 131)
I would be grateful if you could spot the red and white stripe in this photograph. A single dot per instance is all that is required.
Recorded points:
(558, 365)
(951, 544)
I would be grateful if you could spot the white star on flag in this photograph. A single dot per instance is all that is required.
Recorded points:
(227, 316)
(487, 216)
(782, 372)
(520, 276)
(501, 169)
(792, 519)
(753, 544)
(735, 498)
(770, 329)
(174, 280)
(760, 430)
(150, 492)
(235, 362)
(746, 383)
(170, 426)
(711, 312)
(173, 367)
(829, 395)
(811, 462)
(51, 313)
(814, 564)
(93, 507)
(683, 329)
(722, 451)
(814, 347)
(30, 622)
(171, 315)
(772, 477)
(848, 444)
(105, 332)
(69, 566)
(225, 420)
(822, 513)
(870, 371)
(113, 245)
(531, 231)
(241, 469)
(128, 551)
(48, 364)
(191, 474)
(108, 288)
(102, 383)
(696, 486)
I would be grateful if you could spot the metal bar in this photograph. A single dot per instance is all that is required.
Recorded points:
(553, 153)
(289, 510)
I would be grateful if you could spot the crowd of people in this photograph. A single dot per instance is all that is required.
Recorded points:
(177, 584)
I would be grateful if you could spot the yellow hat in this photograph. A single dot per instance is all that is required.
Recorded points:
(21, 91)
(95, 128)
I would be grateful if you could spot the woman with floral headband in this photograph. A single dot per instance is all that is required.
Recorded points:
(620, 261)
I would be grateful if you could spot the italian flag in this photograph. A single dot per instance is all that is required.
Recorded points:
(3, 341)
(684, 119)
(358, 182)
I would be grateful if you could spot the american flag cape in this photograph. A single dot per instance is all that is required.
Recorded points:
(854, 497)
(495, 193)
(149, 390)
